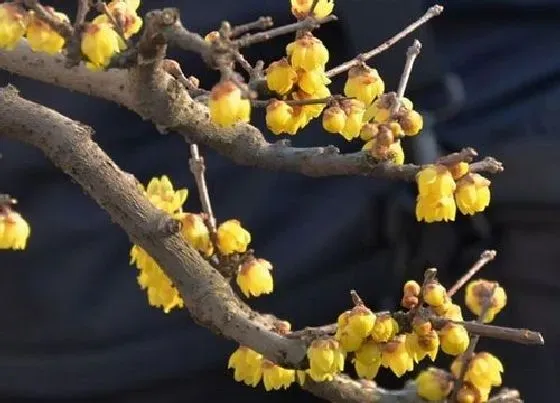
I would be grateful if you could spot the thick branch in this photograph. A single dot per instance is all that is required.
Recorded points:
(207, 296)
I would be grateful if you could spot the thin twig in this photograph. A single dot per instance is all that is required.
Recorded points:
(263, 103)
(196, 163)
(306, 25)
(432, 12)
(261, 23)
(83, 9)
(411, 55)
(486, 257)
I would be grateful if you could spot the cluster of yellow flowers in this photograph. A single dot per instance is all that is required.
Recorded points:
(251, 367)
(299, 76)
(253, 276)
(100, 40)
(16, 23)
(483, 372)
(441, 189)
(14, 230)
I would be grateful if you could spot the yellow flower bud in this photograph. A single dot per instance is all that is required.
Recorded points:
(227, 107)
(450, 311)
(14, 230)
(280, 76)
(433, 384)
(361, 321)
(411, 287)
(232, 237)
(195, 231)
(334, 119)
(459, 170)
(300, 377)
(302, 8)
(472, 194)
(308, 53)
(100, 42)
(479, 292)
(369, 131)
(454, 339)
(13, 22)
(41, 37)
(354, 110)
(326, 359)
(434, 294)
(254, 277)
(384, 329)
(364, 84)
(312, 81)
(275, 377)
(472, 394)
(278, 116)
(421, 326)
(349, 341)
(247, 365)
(211, 37)
(395, 356)
(430, 210)
(124, 12)
(368, 360)
(411, 123)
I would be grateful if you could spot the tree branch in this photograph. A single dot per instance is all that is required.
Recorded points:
(157, 96)
(208, 297)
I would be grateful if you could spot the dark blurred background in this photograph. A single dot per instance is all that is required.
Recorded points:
(76, 327)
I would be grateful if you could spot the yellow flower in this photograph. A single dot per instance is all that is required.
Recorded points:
(195, 231)
(472, 394)
(278, 116)
(361, 321)
(435, 181)
(276, 377)
(369, 131)
(364, 84)
(421, 326)
(393, 153)
(411, 287)
(384, 329)
(433, 384)
(308, 53)
(395, 356)
(450, 311)
(232, 237)
(254, 278)
(301, 8)
(430, 210)
(13, 22)
(349, 341)
(99, 43)
(40, 35)
(472, 194)
(454, 339)
(484, 370)
(160, 289)
(411, 122)
(459, 170)
(368, 360)
(477, 294)
(280, 76)
(124, 12)
(298, 120)
(434, 294)
(226, 105)
(312, 81)
(312, 111)
(14, 230)
(247, 365)
(161, 194)
(326, 359)
(334, 119)
(300, 376)
(212, 36)
(421, 346)
(354, 110)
